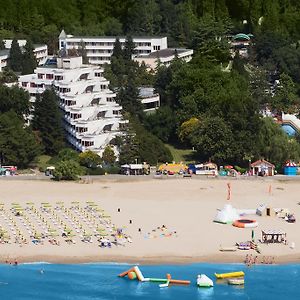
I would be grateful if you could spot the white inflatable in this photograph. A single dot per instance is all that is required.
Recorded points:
(226, 215)
(204, 281)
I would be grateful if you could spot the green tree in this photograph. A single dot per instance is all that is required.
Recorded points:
(14, 98)
(29, 62)
(187, 128)
(117, 51)
(213, 139)
(285, 98)
(108, 155)
(67, 154)
(112, 26)
(128, 147)
(137, 144)
(210, 39)
(128, 97)
(15, 57)
(275, 145)
(162, 123)
(129, 48)
(18, 145)
(67, 170)
(82, 52)
(2, 45)
(89, 159)
(8, 76)
(47, 120)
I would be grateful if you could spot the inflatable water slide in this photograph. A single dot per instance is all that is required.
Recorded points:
(290, 124)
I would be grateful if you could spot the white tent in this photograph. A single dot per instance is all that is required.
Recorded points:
(226, 215)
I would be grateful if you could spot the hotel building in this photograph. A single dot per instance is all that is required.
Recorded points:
(100, 48)
(40, 52)
(92, 118)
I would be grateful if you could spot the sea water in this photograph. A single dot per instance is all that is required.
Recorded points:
(99, 281)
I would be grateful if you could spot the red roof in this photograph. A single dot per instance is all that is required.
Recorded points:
(262, 161)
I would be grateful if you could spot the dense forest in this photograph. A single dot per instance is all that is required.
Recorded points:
(204, 106)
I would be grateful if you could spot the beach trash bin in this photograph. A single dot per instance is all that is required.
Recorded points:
(47, 173)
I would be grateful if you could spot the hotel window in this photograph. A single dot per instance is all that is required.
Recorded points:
(98, 74)
(32, 84)
(156, 48)
(24, 84)
(58, 77)
(40, 76)
(49, 76)
(87, 143)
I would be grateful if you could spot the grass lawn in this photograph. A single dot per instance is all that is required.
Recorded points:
(184, 155)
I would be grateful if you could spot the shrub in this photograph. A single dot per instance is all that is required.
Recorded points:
(95, 171)
(67, 170)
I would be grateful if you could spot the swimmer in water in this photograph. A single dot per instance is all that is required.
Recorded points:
(42, 271)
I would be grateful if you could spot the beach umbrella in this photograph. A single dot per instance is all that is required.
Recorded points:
(103, 234)
(105, 216)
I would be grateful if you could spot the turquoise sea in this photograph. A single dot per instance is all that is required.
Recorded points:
(100, 281)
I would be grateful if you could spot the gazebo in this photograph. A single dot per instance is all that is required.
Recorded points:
(273, 236)
(263, 168)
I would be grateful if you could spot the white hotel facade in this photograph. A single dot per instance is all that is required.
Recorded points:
(40, 52)
(99, 49)
(92, 118)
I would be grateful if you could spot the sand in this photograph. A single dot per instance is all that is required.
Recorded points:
(185, 206)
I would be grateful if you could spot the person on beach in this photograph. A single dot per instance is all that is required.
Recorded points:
(255, 260)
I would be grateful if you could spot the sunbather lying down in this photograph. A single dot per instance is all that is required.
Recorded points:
(105, 243)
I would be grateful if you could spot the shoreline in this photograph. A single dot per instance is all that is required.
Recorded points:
(150, 260)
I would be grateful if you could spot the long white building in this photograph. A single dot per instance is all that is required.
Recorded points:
(92, 117)
(100, 48)
(40, 52)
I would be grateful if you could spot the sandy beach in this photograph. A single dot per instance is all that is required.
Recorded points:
(168, 221)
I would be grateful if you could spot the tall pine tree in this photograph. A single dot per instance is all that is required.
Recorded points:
(15, 57)
(82, 52)
(29, 62)
(129, 47)
(117, 51)
(2, 46)
(18, 145)
(47, 120)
